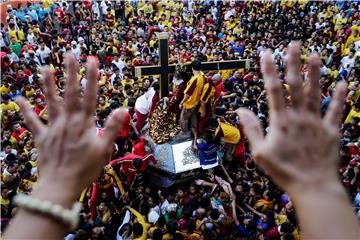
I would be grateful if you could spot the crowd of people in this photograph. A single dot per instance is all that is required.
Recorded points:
(236, 199)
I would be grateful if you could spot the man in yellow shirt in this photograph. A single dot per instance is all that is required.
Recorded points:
(228, 133)
(190, 102)
(355, 112)
(9, 105)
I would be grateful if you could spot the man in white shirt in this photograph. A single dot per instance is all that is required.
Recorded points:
(75, 50)
(81, 43)
(43, 52)
(7, 146)
(118, 62)
(348, 62)
(357, 47)
(142, 108)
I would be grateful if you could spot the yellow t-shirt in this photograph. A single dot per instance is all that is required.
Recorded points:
(231, 133)
(12, 34)
(193, 91)
(352, 114)
(12, 106)
(4, 202)
(129, 10)
(4, 90)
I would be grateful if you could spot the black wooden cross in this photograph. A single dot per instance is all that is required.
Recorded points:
(164, 69)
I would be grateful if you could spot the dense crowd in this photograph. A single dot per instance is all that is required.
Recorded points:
(235, 200)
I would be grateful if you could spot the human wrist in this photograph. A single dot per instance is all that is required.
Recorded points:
(64, 193)
(312, 192)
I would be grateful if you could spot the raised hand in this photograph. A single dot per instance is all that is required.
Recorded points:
(301, 150)
(71, 154)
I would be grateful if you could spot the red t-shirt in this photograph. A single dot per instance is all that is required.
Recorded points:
(38, 110)
(16, 134)
(126, 127)
(127, 167)
(139, 148)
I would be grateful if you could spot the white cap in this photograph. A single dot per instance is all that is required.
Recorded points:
(80, 39)
(73, 43)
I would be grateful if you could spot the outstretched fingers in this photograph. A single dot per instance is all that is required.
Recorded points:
(272, 83)
(252, 127)
(312, 93)
(50, 93)
(293, 75)
(334, 114)
(72, 85)
(89, 102)
(31, 119)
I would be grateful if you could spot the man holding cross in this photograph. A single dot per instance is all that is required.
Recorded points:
(190, 102)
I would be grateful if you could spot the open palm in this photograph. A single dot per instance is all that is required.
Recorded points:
(70, 152)
(301, 149)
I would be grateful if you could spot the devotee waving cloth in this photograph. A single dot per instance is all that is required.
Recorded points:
(190, 102)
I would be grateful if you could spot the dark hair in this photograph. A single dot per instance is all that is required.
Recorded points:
(191, 226)
(138, 229)
(214, 214)
(114, 105)
(133, 136)
(161, 221)
(213, 122)
(157, 234)
(6, 143)
(286, 227)
(178, 236)
(131, 102)
(126, 227)
(137, 162)
(171, 227)
(196, 65)
(156, 86)
(10, 158)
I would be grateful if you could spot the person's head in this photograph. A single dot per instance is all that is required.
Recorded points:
(137, 163)
(213, 122)
(7, 146)
(133, 137)
(13, 40)
(171, 227)
(156, 86)
(191, 226)
(17, 127)
(196, 65)
(39, 102)
(126, 230)
(137, 229)
(352, 53)
(157, 234)
(178, 236)
(216, 79)
(4, 192)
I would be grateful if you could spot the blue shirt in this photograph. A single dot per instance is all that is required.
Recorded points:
(14, 95)
(239, 49)
(42, 13)
(208, 154)
(21, 15)
(33, 15)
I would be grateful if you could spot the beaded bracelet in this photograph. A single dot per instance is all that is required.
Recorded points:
(68, 216)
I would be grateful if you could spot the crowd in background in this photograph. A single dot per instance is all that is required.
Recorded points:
(236, 200)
